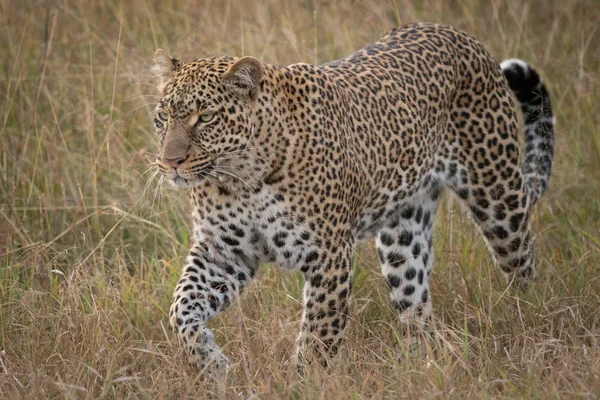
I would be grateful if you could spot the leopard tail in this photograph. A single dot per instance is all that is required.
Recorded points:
(534, 99)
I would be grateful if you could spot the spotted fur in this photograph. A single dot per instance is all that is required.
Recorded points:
(296, 164)
(533, 97)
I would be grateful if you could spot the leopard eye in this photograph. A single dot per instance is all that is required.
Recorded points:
(206, 117)
(164, 117)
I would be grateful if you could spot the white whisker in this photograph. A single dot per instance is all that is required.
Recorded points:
(141, 96)
(149, 105)
(218, 170)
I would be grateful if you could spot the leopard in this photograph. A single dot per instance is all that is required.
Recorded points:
(296, 165)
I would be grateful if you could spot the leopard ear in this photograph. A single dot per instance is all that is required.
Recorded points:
(164, 67)
(244, 77)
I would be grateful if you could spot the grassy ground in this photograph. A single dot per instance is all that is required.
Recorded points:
(90, 250)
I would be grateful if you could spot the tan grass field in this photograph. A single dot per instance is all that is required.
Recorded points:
(90, 249)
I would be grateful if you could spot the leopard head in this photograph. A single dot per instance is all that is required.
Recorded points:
(205, 118)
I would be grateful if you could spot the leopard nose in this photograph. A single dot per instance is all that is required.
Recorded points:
(173, 162)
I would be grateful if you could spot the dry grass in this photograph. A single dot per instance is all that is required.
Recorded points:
(90, 254)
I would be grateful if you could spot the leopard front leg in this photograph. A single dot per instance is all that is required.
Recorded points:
(206, 288)
(326, 295)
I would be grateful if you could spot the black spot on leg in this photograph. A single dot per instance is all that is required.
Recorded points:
(410, 274)
(213, 302)
(407, 212)
(220, 286)
(241, 276)
(517, 262)
(506, 269)
(312, 256)
(393, 281)
(381, 255)
(501, 251)
(515, 244)
(435, 193)
(527, 272)
(426, 219)
(230, 241)
(479, 214)
(512, 201)
(344, 277)
(191, 270)
(395, 259)
(419, 215)
(401, 305)
(405, 238)
(499, 232)
(416, 250)
(419, 310)
(386, 239)
(515, 221)
(499, 211)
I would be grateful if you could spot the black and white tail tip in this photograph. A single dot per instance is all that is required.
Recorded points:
(534, 99)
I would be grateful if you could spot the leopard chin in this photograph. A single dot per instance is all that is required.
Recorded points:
(182, 183)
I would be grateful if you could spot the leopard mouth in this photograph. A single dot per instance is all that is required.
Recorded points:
(185, 179)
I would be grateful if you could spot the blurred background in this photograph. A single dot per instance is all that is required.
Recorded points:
(91, 246)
